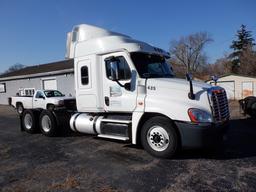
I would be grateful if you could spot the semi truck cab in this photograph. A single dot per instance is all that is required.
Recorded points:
(126, 90)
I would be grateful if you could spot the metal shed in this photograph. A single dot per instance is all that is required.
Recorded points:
(237, 86)
(57, 75)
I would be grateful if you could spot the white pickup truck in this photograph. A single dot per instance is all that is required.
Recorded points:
(42, 99)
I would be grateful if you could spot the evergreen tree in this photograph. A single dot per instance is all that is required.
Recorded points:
(245, 42)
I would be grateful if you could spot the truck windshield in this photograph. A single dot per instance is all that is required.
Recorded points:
(53, 93)
(151, 65)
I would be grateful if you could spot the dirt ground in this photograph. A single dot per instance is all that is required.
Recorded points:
(32, 162)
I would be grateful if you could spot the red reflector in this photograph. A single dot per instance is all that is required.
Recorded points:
(217, 91)
(192, 116)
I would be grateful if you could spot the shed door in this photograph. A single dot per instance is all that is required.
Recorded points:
(247, 89)
(50, 84)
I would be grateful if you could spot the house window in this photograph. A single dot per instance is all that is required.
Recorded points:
(2, 88)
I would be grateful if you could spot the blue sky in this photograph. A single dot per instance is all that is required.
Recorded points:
(34, 31)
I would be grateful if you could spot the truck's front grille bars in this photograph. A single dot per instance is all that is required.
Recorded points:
(219, 103)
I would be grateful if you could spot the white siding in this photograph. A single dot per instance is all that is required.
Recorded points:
(65, 84)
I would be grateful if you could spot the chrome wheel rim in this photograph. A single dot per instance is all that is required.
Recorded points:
(28, 121)
(20, 109)
(158, 138)
(46, 123)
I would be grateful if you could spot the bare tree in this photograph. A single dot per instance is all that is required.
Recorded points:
(248, 61)
(188, 51)
(221, 66)
(14, 67)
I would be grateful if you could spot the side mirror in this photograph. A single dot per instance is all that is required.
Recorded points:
(41, 97)
(114, 70)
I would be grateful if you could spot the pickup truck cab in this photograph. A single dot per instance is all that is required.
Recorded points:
(42, 99)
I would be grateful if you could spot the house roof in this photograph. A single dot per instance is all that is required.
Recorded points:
(237, 75)
(41, 69)
(231, 74)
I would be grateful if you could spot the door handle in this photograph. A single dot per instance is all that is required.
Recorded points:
(107, 101)
(35, 100)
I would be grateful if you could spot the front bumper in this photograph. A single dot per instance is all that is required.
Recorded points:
(201, 135)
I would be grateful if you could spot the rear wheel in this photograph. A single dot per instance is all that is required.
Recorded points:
(19, 108)
(29, 122)
(159, 138)
(48, 125)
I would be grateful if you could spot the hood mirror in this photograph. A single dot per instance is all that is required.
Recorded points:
(215, 78)
(191, 94)
(189, 76)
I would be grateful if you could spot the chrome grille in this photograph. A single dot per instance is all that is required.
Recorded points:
(219, 103)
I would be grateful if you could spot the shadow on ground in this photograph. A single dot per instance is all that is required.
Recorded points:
(240, 143)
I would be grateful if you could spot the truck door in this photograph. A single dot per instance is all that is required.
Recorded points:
(39, 100)
(117, 98)
(85, 96)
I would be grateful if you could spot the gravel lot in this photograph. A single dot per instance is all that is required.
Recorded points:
(83, 163)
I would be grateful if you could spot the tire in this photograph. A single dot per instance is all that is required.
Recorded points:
(48, 124)
(250, 108)
(50, 107)
(29, 121)
(159, 138)
(19, 108)
(253, 110)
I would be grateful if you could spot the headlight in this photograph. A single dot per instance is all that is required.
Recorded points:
(199, 116)
(61, 102)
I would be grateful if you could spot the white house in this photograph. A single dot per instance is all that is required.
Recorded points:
(237, 86)
(57, 75)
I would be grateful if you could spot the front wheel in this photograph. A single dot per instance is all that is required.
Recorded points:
(48, 124)
(159, 138)
(50, 107)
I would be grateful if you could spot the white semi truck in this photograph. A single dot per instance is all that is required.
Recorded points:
(125, 90)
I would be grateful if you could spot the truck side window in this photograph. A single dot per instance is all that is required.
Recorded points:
(124, 69)
(39, 94)
(84, 75)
